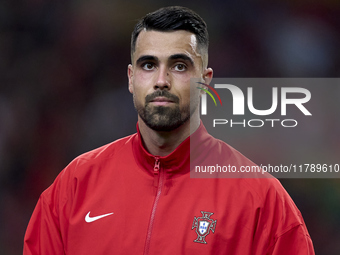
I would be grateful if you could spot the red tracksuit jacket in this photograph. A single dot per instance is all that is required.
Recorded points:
(119, 199)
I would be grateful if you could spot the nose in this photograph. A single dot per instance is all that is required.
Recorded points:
(163, 79)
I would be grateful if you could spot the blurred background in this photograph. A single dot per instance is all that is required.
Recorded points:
(63, 88)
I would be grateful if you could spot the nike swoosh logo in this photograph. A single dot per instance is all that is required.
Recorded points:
(91, 219)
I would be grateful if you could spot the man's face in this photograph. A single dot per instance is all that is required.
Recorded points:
(159, 78)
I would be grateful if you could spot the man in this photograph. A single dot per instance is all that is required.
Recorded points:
(135, 195)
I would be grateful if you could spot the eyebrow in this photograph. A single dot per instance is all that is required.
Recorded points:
(172, 57)
(146, 57)
(182, 56)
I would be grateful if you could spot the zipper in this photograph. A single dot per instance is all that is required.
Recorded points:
(156, 169)
(158, 182)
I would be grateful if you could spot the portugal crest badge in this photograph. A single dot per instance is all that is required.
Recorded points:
(203, 226)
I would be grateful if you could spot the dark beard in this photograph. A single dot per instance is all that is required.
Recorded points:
(162, 118)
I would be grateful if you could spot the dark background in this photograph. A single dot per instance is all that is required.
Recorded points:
(63, 88)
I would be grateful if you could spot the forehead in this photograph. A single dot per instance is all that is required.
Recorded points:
(164, 44)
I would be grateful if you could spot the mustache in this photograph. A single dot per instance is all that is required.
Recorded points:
(161, 93)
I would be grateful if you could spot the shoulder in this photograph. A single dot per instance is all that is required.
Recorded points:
(217, 150)
(90, 163)
(262, 186)
(104, 152)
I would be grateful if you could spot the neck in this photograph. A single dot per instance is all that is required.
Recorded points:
(162, 143)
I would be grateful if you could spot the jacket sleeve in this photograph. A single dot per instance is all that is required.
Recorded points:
(289, 234)
(280, 228)
(43, 235)
(294, 241)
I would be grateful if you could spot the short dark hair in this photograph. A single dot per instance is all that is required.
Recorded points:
(173, 18)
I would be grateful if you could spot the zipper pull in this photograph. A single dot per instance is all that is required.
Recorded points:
(156, 171)
(157, 163)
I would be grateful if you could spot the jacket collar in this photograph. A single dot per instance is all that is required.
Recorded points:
(178, 161)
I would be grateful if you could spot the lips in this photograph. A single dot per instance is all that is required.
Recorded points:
(162, 99)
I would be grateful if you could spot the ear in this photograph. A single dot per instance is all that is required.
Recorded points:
(130, 77)
(208, 75)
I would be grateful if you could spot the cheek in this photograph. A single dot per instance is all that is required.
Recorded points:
(138, 94)
(183, 78)
(186, 90)
(184, 81)
(187, 95)
(143, 78)
(141, 84)
(195, 93)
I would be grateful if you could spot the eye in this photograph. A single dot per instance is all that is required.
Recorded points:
(180, 67)
(148, 66)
